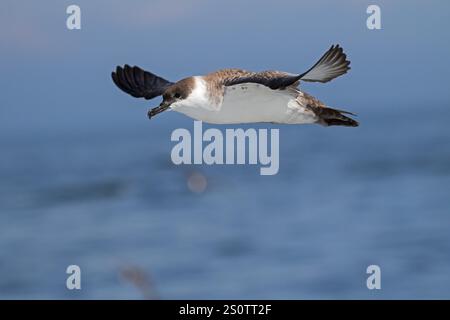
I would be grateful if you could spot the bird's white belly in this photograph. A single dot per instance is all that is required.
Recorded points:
(249, 102)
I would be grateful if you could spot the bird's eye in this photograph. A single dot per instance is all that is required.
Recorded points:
(177, 95)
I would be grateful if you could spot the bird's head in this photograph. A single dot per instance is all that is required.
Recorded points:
(177, 92)
(174, 94)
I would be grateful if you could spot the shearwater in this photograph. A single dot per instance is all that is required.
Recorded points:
(231, 96)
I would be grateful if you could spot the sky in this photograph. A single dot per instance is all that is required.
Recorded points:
(56, 80)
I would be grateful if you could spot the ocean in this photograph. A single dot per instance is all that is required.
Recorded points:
(111, 201)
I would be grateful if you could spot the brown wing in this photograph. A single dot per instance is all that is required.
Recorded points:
(331, 65)
(139, 83)
(272, 79)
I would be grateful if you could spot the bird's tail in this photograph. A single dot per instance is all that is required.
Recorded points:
(334, 117)
(327, 116)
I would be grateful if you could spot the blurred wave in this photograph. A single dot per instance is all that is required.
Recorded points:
(343, 199)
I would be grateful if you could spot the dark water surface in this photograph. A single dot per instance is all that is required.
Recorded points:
(112, 202)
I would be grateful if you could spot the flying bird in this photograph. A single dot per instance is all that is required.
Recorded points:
(232, 96)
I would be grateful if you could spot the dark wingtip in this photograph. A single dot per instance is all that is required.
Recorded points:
(118, 69)
(138, 82)
(114, 78)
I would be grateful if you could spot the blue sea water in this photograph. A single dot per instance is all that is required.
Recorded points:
(111, 201)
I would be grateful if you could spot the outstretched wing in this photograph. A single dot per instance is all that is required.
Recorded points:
(139, 83)
(331, 65)
(272, 79)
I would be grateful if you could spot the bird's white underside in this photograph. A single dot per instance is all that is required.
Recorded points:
(246, 103)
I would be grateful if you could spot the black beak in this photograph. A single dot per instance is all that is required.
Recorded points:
(162, 107)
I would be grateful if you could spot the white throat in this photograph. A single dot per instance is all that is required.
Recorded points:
(199, 98)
